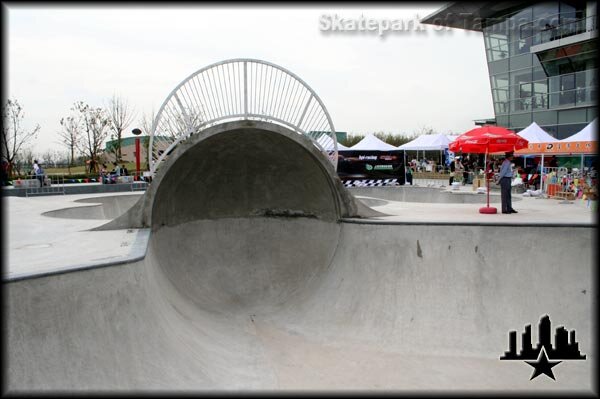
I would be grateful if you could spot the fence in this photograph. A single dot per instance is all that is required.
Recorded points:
(49, 184)
(137, 181)
(440, 179)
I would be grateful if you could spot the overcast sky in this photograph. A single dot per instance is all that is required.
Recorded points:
(398, 82)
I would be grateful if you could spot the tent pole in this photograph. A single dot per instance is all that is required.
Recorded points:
(542, 174)
(405, 166)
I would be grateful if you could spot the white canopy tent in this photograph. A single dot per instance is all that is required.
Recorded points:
(588, 133)
(428, 142)
(372, 143)
(535, 134)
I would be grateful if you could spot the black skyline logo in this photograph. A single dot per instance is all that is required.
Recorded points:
(565, 347)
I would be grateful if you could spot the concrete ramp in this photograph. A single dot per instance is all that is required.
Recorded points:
(253, 290)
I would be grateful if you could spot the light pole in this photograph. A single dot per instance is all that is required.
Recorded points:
(137, 133)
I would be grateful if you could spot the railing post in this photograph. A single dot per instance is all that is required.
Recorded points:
(245, 89)
(304, 112)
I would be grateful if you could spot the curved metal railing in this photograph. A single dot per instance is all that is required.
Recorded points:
(240, 89)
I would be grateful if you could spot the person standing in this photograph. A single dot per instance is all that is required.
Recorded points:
(36, 167)
(452, 171)
(459, 169)
(505, 177)
(38, 172)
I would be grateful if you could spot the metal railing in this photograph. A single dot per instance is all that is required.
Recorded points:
(241, 89)
(137, 181)
(550, 33)
(48, 184)
(587, 24)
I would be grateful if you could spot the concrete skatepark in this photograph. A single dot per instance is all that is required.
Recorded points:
(267, 274)
(246, 266)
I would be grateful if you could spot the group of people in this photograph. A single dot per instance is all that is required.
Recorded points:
(111, 177)
(460, 169)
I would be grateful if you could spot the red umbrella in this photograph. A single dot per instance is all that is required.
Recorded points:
(488, 140)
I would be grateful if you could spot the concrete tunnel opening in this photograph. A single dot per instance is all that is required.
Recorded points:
(245, 218)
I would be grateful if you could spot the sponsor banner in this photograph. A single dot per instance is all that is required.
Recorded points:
(370, 165)
(574, 147)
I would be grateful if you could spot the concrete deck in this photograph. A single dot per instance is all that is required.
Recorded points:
(39, 244)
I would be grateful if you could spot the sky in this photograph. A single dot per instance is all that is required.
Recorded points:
(399, 82)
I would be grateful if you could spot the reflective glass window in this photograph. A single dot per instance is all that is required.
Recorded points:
(501, 107)
(500, 80)
(520, 120)
(521, 61)
(567, 82)
(525, 90)
(502, 121)
(584, 96)
(500, 94)
(540, 87)
(547, 9)
(526, 30)
(539, 101)
(497, 67)
(572, 116)
(520, 76)
(546, 117)
(538, 73)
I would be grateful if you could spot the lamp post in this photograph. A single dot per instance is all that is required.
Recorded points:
(137, 133)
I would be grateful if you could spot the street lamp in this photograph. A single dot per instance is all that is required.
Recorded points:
(137, 133)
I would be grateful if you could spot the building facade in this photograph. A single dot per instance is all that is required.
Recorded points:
(128, 149)
(541, 60)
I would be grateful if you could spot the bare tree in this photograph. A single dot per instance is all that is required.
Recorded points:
(52, 157)
(146, 125)
(146, 122)
(23, 158)
(120, 115)
(423, 130)
(71, 135)
(96, 125)
(14, 136)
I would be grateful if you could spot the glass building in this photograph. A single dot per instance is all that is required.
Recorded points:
(541, 60)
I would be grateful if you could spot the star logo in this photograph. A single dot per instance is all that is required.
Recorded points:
(542, 365)
(543, 356)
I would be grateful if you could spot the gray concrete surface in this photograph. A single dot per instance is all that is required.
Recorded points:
(38, 244)
(421, 299)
